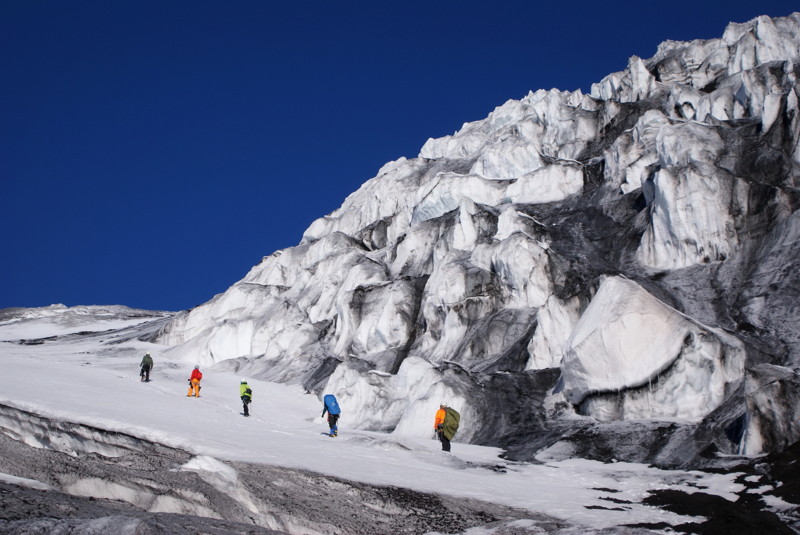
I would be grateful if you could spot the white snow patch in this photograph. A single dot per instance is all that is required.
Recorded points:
(25, 482)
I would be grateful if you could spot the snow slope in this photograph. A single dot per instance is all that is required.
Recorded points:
(93, 379)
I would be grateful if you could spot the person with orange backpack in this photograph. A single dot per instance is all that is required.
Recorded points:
(194, 382)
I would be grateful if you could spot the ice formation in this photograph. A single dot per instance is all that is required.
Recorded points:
(569, 262)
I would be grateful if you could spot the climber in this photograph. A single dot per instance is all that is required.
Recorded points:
(145, 367)
(446, 424)
(246, 393)
(194, 382)
(331, 406)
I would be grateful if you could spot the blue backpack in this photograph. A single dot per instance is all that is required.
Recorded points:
(331, 404)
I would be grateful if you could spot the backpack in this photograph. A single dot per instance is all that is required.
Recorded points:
(331, 404)
(451, 421)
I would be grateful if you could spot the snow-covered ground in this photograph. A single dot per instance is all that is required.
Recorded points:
(93, 379)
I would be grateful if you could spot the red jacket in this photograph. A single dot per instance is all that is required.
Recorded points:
(196, 375)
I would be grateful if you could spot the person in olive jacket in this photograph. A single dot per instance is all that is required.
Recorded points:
(145, 367)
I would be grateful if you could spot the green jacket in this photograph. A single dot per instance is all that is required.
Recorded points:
(147, 359)
(245, 391)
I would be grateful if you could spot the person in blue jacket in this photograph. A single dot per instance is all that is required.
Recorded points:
(331, 406)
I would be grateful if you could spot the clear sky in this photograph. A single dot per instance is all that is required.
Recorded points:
(151, 152)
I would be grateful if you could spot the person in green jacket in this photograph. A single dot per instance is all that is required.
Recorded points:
(246, 393)
(146, 366)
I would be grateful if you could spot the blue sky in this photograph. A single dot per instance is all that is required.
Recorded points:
(152, 152)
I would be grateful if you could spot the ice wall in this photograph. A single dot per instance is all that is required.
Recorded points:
(629, 237)
(659, 363)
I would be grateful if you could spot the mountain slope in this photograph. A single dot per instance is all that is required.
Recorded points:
(87, 447)
(571, 270)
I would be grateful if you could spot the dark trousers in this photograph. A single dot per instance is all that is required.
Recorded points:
(444, 441)
(332, 419)
(245, 403)
(145, 375)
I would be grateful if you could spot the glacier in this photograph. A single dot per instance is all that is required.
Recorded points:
(603, 284)
(87, 447)
(572, 269)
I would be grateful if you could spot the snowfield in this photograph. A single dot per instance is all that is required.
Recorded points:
(92, 379)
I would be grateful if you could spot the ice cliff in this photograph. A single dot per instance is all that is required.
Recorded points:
(609, 275)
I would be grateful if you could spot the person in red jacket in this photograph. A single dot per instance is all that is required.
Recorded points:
(194, 382)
